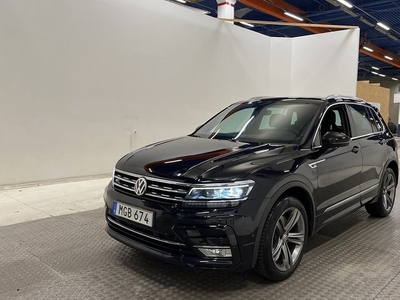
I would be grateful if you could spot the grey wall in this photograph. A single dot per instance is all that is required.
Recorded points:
(84, 82)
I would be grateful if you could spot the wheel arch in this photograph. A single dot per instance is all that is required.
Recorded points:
(305, 198)
(296, 189)
(394, 166)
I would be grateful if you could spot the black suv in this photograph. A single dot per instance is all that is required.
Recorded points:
(248, 187)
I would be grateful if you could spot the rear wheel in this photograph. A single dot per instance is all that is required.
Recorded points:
(283, 240)
(386, 197)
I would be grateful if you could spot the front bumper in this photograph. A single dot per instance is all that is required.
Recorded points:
(179, 235)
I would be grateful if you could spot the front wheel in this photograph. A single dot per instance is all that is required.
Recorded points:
(387, 194)
(283, 240)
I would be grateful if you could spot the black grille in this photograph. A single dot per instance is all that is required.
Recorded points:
(172, 246)
(157, 189)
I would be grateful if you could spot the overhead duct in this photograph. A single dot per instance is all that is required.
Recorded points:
(349, 11)
(381, 30)
(333, 2)
(240, 13)
(366, 22)
(393, 37)
(272, 10)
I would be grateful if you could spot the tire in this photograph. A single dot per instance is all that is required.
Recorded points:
(282, 245)
(386, 196)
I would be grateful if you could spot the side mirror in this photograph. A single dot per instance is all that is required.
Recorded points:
(333, 139)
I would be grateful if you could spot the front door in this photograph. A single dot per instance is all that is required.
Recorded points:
(338, 169)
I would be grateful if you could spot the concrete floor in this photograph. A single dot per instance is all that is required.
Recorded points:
(64, 253)
(38, 201)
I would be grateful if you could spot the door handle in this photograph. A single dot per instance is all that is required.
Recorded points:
(355, 149)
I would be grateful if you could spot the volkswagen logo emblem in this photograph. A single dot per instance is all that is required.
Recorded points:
(140, 186)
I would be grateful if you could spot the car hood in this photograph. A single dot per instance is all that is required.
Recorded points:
(201, 159)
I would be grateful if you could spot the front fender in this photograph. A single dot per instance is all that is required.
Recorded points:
(289, 183)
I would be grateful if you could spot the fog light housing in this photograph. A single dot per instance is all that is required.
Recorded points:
(215, 251)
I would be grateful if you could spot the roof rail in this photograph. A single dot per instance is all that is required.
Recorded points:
(338, 96)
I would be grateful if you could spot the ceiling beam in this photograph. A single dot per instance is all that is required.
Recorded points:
(278, 9)
(303, 25)
(278, 12)
(379, 53)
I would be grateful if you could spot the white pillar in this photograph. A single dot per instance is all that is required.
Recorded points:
(226, 9)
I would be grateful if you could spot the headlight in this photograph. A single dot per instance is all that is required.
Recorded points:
(218, 195)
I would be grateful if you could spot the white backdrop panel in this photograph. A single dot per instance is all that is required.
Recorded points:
(329, 67)
(84, 82)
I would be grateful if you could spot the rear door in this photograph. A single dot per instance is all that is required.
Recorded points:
(369, 132)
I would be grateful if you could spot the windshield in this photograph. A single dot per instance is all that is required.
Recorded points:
(283, 121)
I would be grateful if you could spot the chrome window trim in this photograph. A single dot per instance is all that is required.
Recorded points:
(320, 121)
(352, 138)
(365, 135)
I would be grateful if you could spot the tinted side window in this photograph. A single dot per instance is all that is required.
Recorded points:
(375, 120)
(362, 121)
(334, 120)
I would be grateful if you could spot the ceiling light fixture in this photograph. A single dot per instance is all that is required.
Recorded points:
(247, 24)
(345, 3)
(383, 26)
(375, 73)
(293, 16)
(181, 1)
(388, 57)
(395, 79)
(368, 49)
(375, 68)
(382, 75)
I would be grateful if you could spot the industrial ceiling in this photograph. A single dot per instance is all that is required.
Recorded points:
(379, 43)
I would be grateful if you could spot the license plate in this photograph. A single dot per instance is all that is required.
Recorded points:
(134, 214)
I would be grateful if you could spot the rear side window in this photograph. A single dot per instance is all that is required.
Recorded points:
(364, 123)
(375, 119)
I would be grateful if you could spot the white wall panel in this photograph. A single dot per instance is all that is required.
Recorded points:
(280, 82)
(325, 64)
(84, 82)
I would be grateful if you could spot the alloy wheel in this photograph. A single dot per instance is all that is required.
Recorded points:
(388, 191)
(288, 239)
